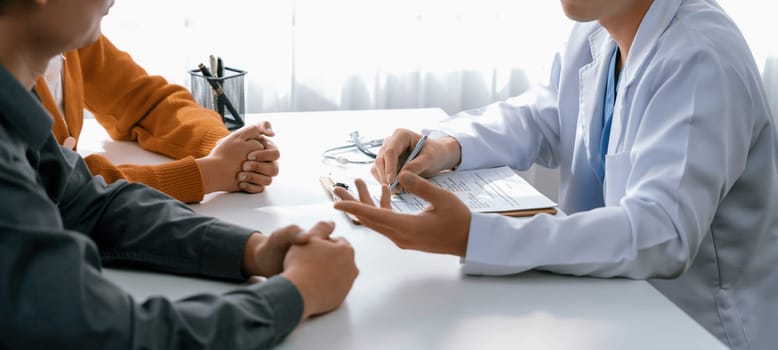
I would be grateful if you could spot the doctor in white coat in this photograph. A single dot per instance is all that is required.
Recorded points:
(656, 116)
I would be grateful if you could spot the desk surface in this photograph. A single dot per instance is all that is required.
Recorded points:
(406, 299)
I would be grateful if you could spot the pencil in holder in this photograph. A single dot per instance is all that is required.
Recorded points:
(233, 86)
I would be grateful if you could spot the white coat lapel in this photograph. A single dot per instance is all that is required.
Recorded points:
(654, 23)
(591, 90)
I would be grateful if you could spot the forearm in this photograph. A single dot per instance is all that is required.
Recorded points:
(167, 235)
(135, 224)
(256, 317)
(180, 179)
(133, 105)
(249, 263)
(67, 303)
(601, 242)
(518, 133)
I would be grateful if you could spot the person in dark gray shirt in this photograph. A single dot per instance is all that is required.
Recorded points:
(59, 225)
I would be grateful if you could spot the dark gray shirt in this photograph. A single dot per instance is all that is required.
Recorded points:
(58, 225)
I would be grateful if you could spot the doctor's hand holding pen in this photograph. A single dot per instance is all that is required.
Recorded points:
(397, 153)
(246, 160)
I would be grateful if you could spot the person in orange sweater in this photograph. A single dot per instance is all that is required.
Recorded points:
(161, 117)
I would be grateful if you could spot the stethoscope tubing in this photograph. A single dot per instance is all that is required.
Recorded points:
(363, 147)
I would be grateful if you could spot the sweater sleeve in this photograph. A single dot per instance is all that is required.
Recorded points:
(180, 179)
(134, 106)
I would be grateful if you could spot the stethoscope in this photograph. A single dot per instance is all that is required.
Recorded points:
(355, 143)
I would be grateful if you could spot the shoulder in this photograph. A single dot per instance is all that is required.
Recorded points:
(702, 49)
(703, 34)
(102, 50)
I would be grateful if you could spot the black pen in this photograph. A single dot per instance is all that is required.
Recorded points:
(220, 74)
(220, 92)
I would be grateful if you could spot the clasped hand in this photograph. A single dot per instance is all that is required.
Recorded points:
(322, 268)
(245, 160)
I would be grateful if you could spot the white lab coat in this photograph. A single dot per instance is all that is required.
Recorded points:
(690, 198)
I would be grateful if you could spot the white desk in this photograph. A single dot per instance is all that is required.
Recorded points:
(407, 299)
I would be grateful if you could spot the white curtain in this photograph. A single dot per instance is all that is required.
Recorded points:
(362, 54)
(304, 55)
(349, 54)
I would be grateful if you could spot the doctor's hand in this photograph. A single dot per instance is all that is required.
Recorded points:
(230, 167)
(443, 227)
(436, 156)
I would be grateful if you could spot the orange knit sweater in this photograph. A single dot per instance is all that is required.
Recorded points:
(134, 106)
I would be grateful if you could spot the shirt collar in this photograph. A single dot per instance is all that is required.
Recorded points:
(21, 112)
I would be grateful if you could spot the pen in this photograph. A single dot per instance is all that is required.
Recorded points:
(414, 152)
(220, 74)
(216, 99)
(213, 64)
(219, 92)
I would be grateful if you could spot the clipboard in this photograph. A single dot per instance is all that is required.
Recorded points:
(329, 185)
(528, 212)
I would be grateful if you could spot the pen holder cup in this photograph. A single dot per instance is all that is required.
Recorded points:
(234, 85)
